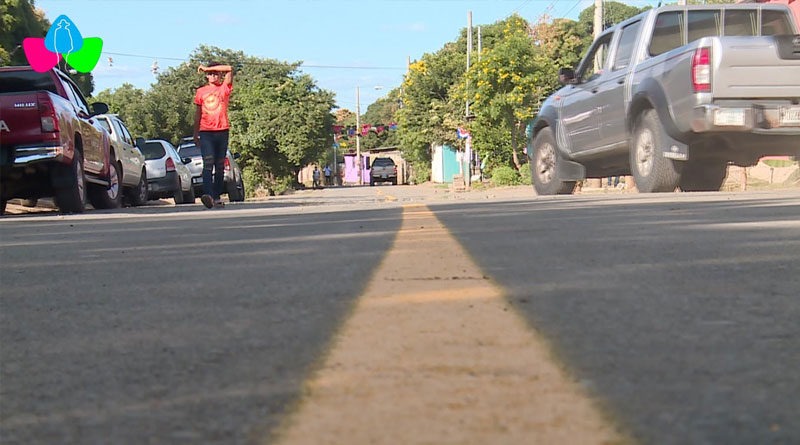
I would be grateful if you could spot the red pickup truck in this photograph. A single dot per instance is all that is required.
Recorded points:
(50, 144)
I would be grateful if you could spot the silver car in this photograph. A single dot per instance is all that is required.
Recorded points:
(130, 158)
(234, 183)
(167, 174)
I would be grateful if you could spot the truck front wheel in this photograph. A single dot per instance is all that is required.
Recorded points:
(651, 171)
(544, 164)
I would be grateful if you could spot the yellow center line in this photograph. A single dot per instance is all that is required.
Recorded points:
(433, 354)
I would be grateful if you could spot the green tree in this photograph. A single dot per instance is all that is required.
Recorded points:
(19, 19)
(431, 104)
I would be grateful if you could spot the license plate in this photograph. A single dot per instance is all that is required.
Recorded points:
(197, 180)
(729, 117)
(790, 116)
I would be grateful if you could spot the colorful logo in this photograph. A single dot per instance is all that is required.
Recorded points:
(63, 39)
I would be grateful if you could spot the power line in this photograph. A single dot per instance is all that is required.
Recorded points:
(303, 65)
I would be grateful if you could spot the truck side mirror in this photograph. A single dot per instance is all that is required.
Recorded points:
(99, 108)
(140, 142)
(566, 76)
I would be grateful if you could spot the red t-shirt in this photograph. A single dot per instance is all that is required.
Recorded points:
(213, 99)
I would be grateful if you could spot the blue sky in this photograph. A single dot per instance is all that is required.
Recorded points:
(372, 38)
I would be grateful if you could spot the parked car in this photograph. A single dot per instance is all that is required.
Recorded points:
(167, 174)
(383, 170)
(234, 183)
(50, 143)
(132, 169)
(672, 96)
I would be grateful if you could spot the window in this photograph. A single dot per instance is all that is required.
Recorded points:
(668, 32)
(741, 22)
(626, 44)
(125, 133)
(76, 94)
(21, 81)
(775, 23)
(190, 151)
(703, 24)
(153, 150)
(595, 60)
(104, 123)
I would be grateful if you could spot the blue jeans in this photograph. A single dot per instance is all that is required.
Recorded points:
(213, 146)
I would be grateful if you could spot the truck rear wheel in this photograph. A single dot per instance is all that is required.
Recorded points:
(72, 197)
(110, 197)
(705, 175)
(651, 171)
(543, 166)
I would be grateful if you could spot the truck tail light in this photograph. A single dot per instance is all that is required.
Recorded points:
(48, 116)
(701, 70)
(227, 165)
(170, 165)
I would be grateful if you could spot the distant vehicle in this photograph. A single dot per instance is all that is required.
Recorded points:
(167, 174)
(132, 169)
(672, 96)
(383, 170)
(50, 143)
(234, 182)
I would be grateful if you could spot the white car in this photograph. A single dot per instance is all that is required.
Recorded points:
(167, 174)
(130, 160)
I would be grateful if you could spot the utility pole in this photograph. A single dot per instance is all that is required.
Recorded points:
(469, 51)
(358, 138)
(598, 29)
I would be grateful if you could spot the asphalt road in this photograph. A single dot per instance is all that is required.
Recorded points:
(677, 312)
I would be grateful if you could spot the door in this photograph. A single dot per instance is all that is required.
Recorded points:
(612, 95)
(580, 110)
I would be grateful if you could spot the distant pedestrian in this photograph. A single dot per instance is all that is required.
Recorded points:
(315, 176)
(211, 127)
(327, 171)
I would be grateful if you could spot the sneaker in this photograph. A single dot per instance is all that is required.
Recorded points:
(207, 201)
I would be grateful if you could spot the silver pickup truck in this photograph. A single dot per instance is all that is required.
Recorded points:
(672, 96)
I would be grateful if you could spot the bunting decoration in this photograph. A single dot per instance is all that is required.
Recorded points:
(462, 133)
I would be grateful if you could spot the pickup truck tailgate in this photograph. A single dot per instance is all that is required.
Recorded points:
(755, 67)
(21, 119)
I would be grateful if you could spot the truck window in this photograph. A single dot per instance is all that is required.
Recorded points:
(21, 81)
(704, 24)
(741, 22)
(593, 63)
(668, 32)
(775, 23)
(627, 41)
